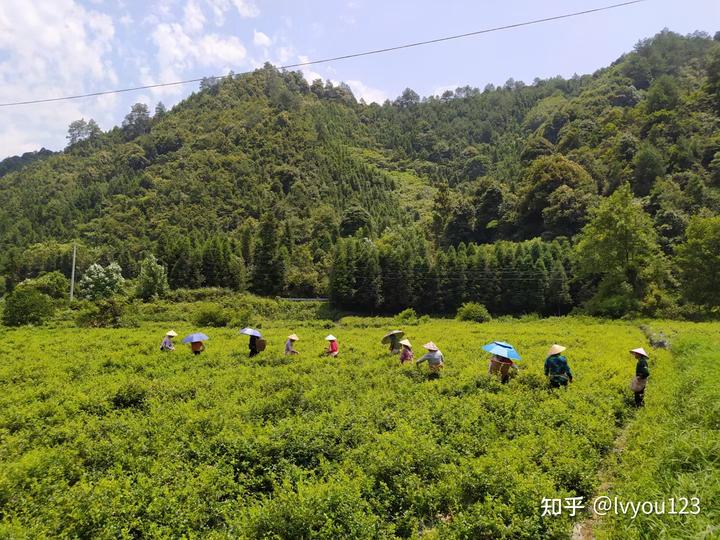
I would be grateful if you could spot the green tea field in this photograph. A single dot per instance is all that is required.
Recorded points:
(104, 436)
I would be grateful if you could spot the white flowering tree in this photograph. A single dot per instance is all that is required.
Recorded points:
(101, 282)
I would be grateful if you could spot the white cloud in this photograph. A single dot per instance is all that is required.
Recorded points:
(284, 54)
(246, 8)
(359, 88)
(51, 48)
(177, 50)
(218, 7)
(368, 93)
(221, 52)
(194, 19)
(261, 40)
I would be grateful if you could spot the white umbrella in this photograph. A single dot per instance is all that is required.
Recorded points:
(250, 332)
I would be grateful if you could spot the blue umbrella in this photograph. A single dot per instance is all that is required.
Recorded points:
(500, 348)
(192, 338)
(250, 332)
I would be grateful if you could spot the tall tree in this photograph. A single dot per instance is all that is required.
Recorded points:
(620, 246)
(368, 281)
(649, 166)
(137, 121)
(269, 270)
(558, 300)
(699, 261)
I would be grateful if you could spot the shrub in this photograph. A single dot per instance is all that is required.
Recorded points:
(27, 306)
(244, 317)
(197, 295)
(103, 314)
(152, 281)
(406, 316)
(472, 311)
(212, 315)
(54, 284)
(101, 282)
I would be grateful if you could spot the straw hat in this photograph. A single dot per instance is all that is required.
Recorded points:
(293, 337)
(406, 342)
(430, 346)
(641, 351)
(171, 333)
(330, 337)
(556, 349)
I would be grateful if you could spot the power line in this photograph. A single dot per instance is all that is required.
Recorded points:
(335, 58)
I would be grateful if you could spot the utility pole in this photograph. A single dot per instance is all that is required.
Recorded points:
(72, 272)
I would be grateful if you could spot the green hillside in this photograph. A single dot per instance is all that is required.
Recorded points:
(275, 171)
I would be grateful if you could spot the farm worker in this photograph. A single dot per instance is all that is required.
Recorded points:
(556, 367)
(393, 339)
(501, 365)
(252, 345)
(167, 344)
(642, 372)
(332, 348)
(197, 347)
(434, 358)
(289, 349)
(406, 355)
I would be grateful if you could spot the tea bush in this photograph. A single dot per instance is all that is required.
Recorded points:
(212, 315)
(108, 313)
(472, 311)
(102, 435)
(673, 447)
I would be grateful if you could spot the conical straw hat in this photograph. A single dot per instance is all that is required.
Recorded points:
(330, 337)
(171, 333)
(641, 351)
(430, 346)
(405, 342)
(556, 349)
(293, 337)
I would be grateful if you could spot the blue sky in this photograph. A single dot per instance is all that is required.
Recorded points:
(50, 48)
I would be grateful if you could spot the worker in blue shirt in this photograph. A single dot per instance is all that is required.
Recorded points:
(556, 367)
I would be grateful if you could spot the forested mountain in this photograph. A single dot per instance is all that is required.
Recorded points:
(266, 181)
(14, 163)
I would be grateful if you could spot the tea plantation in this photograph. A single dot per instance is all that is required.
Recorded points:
(104, 436)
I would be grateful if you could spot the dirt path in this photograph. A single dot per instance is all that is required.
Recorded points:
(585, 529)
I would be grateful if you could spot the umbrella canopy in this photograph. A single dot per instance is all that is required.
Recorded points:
(500, 348)
(250, 332)
(192, 338)
(397, 333)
